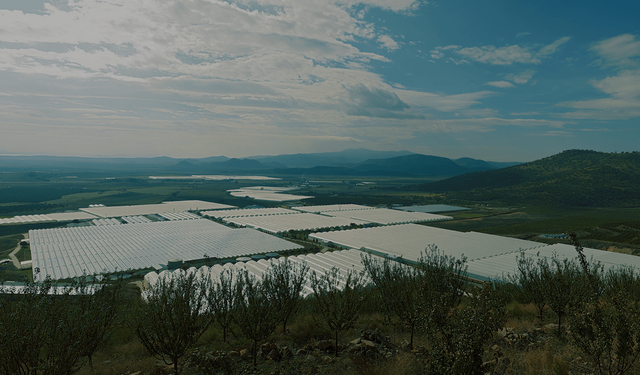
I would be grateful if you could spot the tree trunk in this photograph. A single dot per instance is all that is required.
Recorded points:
(255, 354)
(413, 323)
(336, 343)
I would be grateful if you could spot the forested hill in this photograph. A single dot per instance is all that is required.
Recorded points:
(571, 178)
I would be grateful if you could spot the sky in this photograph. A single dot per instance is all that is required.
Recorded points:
(497, 80)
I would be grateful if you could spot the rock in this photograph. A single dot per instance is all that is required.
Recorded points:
(404, 345)
(245, 354)
(503, 332)
(355, 342)
(368, 344)
(269, 346)
(489, 364)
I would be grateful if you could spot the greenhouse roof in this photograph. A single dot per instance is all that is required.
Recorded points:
(69, 252)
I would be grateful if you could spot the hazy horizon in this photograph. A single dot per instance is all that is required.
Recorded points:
(497, 81)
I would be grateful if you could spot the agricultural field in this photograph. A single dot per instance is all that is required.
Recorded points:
(614, 229)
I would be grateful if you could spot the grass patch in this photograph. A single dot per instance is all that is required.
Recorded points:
(8, 244)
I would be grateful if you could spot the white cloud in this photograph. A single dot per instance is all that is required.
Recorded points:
(388, 43)
(520, 35)
(622, 50)
(623, 101)
(503, 55)
(553, 47)
(501, 84)
(209, 38)
(395, 5)
(521, 78)
(443, 103)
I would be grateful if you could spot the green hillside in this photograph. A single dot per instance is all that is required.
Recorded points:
(571, 178)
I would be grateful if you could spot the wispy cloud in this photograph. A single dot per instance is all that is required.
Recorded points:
(621, 51)
(375, 102)
(623, 89)
(501, 84)
(522, 77)
(506, 55)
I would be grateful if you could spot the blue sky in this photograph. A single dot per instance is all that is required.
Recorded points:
(494, 80)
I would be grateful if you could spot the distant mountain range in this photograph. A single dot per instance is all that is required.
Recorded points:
(571, 178)
(350, 162)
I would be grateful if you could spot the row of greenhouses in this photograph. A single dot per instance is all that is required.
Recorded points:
(70, 252)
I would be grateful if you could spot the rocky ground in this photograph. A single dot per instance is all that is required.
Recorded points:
(371, 353)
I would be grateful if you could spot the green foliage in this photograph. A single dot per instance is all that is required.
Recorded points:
(458, 343)
(566, 287)
(608, 333)
(530, 284)
(35, 193)
(607, 327)
(571, 178)
(443, 286)
(339, 296)
(173, 316)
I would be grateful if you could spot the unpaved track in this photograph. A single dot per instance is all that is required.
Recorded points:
(13, 256)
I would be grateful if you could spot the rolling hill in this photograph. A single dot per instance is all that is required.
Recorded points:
(571, 178)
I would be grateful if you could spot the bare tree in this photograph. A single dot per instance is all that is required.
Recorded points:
(221, 297)
(97, 309)
(339, 298)
(45, 328)
(255, 313)
(173, 317)
(283, 283)
(399, 286)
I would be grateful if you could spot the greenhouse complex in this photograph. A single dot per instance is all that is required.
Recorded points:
(155, 239)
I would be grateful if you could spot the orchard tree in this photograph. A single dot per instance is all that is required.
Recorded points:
(339, 297)
(530, 284)
(399, 286)
(255, 314)
(173, 316)
(443, 286)
(458, 345)
(46, 328)
(221, 298)
(283, 282)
